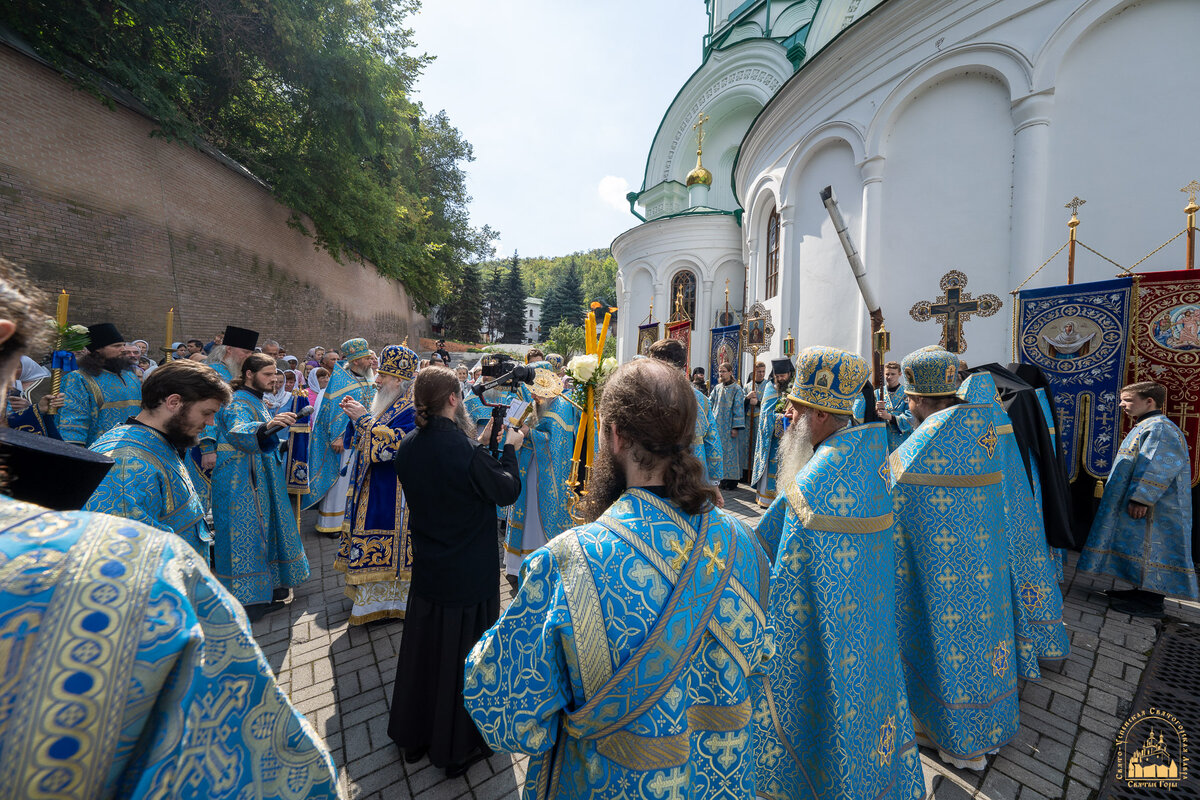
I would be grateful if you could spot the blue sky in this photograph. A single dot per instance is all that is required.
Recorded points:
(560, 99)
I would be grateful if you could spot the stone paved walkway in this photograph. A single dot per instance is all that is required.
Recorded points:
(341, 678)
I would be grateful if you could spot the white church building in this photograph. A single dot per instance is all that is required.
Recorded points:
(952, 132)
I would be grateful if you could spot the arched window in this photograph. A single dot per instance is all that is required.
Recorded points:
(687, 281)
(772, 287)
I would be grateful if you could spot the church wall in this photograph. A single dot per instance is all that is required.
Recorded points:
(947, 194)
(1123, 138)
(828, 309)
(132, 225)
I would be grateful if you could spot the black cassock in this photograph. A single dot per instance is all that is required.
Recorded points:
(452, 487)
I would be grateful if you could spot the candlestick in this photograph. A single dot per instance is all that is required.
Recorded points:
(170, 330)
(63, 299)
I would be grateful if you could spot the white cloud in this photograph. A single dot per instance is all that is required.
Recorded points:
(612, 191)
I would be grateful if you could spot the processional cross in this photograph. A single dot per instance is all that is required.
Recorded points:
(954, 308)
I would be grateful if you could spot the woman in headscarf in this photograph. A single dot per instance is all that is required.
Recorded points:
(26, 414)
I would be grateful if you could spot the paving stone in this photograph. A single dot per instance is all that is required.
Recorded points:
(1077, 791)
(998, 786)
(1054, 754)
(1102, 700)
(1066, 707)
(1026, 777)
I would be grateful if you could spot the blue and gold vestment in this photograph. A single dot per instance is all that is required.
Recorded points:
(1059, 554)
(729, 414)
(208, 439)
(150, 483)
(746, 444)
(131, 672)
(375, 552)
(95, 404)
(32, 420)
(954, 599)
(535, 519)
(706, 442)
(831, 710)
(604, 670)
(766, 446)
(331, 425)
(1155, 553)
(897, 404)
(1036, 598)
(256, 545)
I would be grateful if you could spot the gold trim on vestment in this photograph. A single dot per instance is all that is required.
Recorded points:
(646, 753)
(829, 524)
(899, 475)
(587, 619)
(1002, 429)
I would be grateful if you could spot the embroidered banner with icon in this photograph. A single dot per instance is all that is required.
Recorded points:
(647, 335)
(725, 349)
(682, 331)
(1166, 347)
(1078, 335)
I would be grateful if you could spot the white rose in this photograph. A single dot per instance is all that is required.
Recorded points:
(78, 329)
(608, 366)
(583, 367)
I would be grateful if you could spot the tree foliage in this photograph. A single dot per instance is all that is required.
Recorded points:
(464, 315)
(567, 340)
(564, 300)
(493, 303)
(312, 96)
(512, 303)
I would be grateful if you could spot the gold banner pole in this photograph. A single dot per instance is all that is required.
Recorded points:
(1190, 209)
(1072, 225)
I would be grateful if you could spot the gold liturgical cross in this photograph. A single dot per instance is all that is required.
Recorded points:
(699, 129)
(1074, 205)
(1190, 190)
(954, 308)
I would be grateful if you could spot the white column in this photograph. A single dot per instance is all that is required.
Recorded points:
(628, 328)
(702, 325)
(750, 292)
(870, 247)
(1031, 166)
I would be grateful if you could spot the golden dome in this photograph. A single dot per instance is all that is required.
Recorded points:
(699, 174)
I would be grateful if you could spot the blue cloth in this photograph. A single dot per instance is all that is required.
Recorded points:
(151, 484)
(208, 439)
(95, 404)
(256, 544)
(331, 425)
(954, 599)
(729, 414)
(746, 445)
(766, 447)
(133, 673)
(706, 443)
(831, 711)
(33, 421)
(374, 551)
(1036, 598)
(1154, 553)
(900, 425)
(616, 602)
(550, 446)
(1058, 553)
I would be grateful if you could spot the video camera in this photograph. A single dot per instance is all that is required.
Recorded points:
(502, 366)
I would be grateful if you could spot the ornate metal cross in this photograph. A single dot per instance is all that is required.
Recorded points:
(699, 129)
(1190, 190)
(1074, 205)
(954, 308)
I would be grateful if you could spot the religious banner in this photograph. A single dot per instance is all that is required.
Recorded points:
(725, 349)
(682, 331)
(647, 335)
(296, 471)
(1166, 347)
(1077, 335)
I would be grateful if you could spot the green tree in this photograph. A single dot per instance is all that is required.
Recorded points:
(565, 300)
(512, 318)
(494, 303)
(314, 97)
(464, 315)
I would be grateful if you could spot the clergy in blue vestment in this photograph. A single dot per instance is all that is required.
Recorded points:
(103, 392)
(622, 665)
(375, 551)
(954, 599)
(1142, 532)
(729, 422)
(331, 448)
(831, 710)
(1036, 598)
(150, 481)
(706, 444)
(753, 390)
(129, 670)
(257, 549)
(237, 344)
(891, 406)
(770, 428)
(541, 511)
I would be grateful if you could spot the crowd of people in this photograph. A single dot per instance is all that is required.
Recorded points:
(903, 576)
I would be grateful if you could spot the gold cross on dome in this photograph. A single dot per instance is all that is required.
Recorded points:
(699, 129)
(1074, 205)
(1190, 190)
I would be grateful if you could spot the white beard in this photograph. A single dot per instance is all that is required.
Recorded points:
(367, 375)
(385, 397)
(795, 451)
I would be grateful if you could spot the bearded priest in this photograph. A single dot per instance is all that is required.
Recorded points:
(954, 598)
(375, 552)
(770, 428)
(831, 709)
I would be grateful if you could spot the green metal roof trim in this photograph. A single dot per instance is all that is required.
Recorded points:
(795, 75)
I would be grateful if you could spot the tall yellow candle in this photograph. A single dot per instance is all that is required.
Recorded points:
(603, 334)
(63, 299)
(589, 332)
(170, 328)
